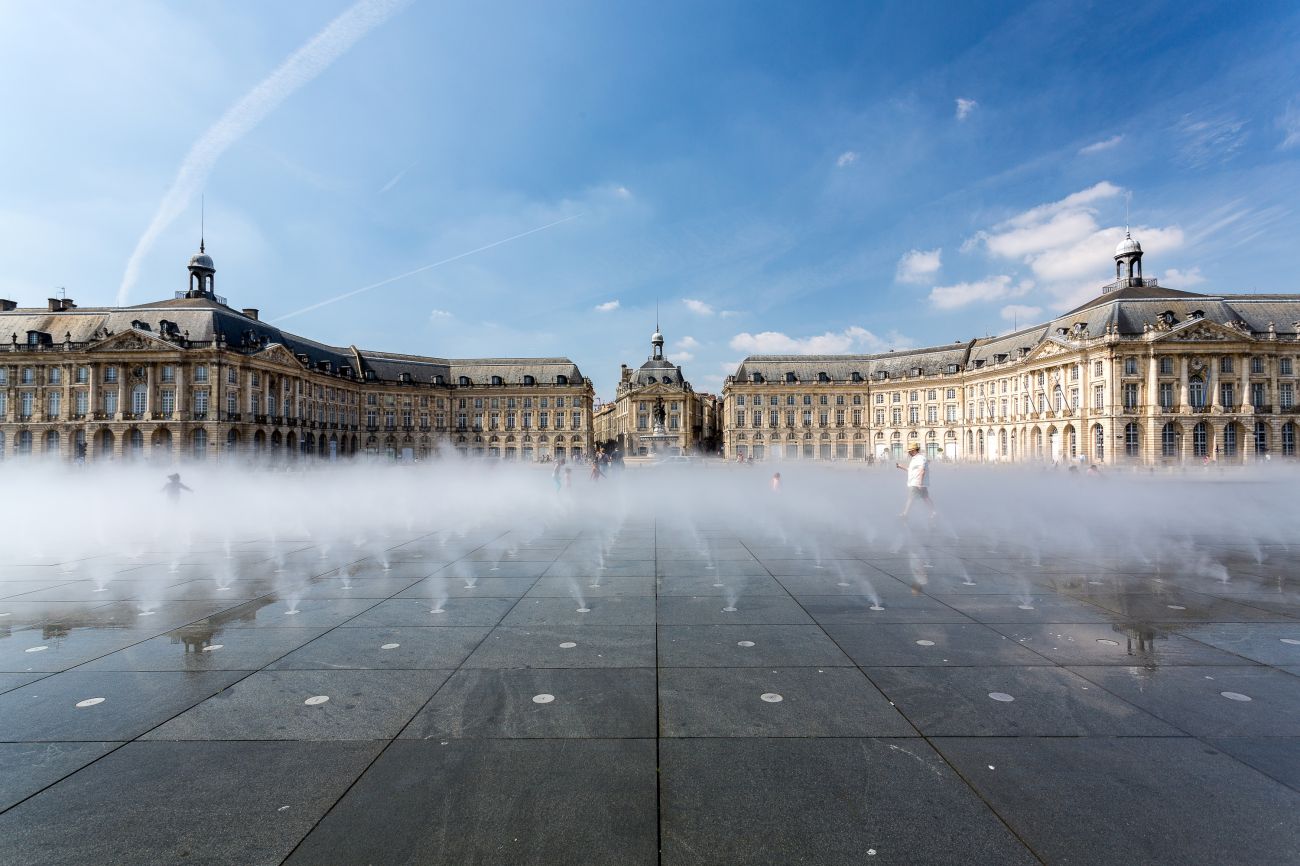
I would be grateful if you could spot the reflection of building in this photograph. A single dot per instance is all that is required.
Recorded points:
(689, 418)
(191, 377)
(1140, 373)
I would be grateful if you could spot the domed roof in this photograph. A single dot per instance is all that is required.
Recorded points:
(657, 337)
(1128, 245)
(202, 260)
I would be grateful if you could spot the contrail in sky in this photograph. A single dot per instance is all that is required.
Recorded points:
(422, 269)
(300, 68)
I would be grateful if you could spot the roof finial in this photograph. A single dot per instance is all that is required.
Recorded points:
(1128, 197)
(656, 314)
(202, 220)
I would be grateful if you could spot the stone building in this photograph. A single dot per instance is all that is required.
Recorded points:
(191, 377)
(1140, 373)
(687, 416)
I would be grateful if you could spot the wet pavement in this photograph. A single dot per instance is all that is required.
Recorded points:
(648, 695)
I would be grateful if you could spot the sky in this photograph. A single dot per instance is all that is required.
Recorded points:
(536, 179)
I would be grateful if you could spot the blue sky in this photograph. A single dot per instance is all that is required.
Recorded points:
(778, 177)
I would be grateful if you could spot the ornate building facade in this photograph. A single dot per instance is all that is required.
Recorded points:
(1139, 374)
(657, 385)
(190, 377)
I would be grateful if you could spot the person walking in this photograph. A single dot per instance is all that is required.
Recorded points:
(918, 480)
(173, 487)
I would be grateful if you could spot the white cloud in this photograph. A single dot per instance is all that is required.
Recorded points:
(698, 307)
(988, 289)
(1099, 146)
(682, 357)
(1062, 242)
(435, 315)
(1184, 279)
(298, 69)
(846, 159)
(1210, 140)
(965, 107)
(727, 314)
(607, 307)
(1020, 312)
(918, 266)
(686, 343)
(852, 338)
(1289, 123)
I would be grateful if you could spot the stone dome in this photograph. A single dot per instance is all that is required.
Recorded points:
(1128, 245)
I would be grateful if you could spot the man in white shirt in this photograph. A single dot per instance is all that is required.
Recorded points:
(918, 479)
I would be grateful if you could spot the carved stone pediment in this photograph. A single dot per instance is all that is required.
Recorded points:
(133, 341)
(1203, 331)
(278, 354)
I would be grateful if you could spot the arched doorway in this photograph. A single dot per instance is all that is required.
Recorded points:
(51, 446)
(160, 445)
(1231, 441)
(134, 443)
(199, 444)
(23, 443)
(1200, 440)
(1170, 436)
(1288, 439)
(1132, 440)
(104, 444)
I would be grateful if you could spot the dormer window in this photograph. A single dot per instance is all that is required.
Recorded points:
(822, 377)
(1197, 314)
(790, 378)
(1168, 317)
(464, 381)
(404, 378)
(529, 380)
(496, 380)
(561, 380)
(883, 376)
(437, 379)
(855, 376)
(756, 378)
(954, 368)
(916, 371)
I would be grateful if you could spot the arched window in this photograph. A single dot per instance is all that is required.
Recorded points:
(1196, 391)
(52, 442)
(135, 441)
(1200, 440)
(200, 442)
(1288, 439)
(1169, 440)
(464, 381)
(1230, 440)
(24, 442)
(1261, 437)
(1132, 440)
(496, 380)
(529, 380)
(1098, 443)
(561, 380)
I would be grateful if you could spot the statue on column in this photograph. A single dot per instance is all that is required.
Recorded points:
(658, 412)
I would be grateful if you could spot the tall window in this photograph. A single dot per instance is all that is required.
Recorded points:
(110, 402)
(1130, 366)
(200, 444)
(81, 400)
(1230, 440)
(1258, 395)
(1284, 366)
(1200, 440)
(139, 399)
(1196, 391)
(201, 373)
(1261, 437)
(1169, 440)
(168, 373)
(1225, 364)
(1166, 366)
(56, 375)
(1166, 396)
(110, 374)
(55, 406)
(1098, 442)
(83, 375)
(201, 402)
(1286, 395)
(1288, 439)
(1130, 397)
(1227, 395)
(1257, 365)
(1132, 444)
(168, 400)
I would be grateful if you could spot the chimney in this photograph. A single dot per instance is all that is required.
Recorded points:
(56, 305)
(251, 312)
(68, 304)
(7, 305)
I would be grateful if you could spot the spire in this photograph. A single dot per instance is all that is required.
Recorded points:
(202, 220)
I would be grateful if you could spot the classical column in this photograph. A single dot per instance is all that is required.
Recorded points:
(1182, 384)
(1212, 383)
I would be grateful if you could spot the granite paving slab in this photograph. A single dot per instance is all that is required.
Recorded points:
(607, 610)
(546, 647)
(895, 645)
(202, 648)
(712, 609)
(287, 705)
(747, 646)
(1276, 757)
(555, 703)
(383, 648)
(825, 801)
(1254, 701)
(1119, 644)
(446, 586)
(114, 705)
(865, 610)
(1267, 643)
(563, 802)
(775, 702)
(26, 768)
(1117, 800)
(433, 612)
(194, 803)
(1011, 702)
